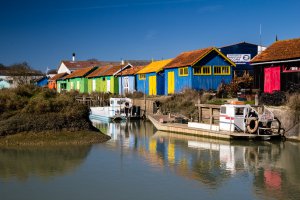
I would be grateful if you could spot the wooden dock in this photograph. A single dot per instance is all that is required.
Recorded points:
(184, 129)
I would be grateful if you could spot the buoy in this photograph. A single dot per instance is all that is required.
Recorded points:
(252, 124)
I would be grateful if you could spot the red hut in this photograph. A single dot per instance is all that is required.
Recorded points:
(278, 67)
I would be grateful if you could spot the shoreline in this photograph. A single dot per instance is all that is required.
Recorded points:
(51, 138)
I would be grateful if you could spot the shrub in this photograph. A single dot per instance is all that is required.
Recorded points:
(276, 98)
(29, 108)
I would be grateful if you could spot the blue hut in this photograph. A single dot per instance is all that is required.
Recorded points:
(127, 79)
(42, 82)
(199, 69)
(150, 80)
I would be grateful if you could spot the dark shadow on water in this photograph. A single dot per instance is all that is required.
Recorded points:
(45, 162)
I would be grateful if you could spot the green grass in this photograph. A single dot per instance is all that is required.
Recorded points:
(53, 138)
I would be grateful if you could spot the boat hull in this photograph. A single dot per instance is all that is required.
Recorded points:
(184, 129)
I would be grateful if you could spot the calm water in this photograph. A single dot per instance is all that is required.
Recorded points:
(140, 163)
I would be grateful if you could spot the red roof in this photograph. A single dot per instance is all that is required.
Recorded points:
(130, 71)
(80, 72)
(280, 50)
(188, 58)
(111, 71)
(83, 64)
(58, 76)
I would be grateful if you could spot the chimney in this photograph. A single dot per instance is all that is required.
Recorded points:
(73, 57)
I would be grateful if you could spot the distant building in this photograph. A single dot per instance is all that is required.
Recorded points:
(70, 66)
(51, 73)
(278, 66)
(241, 54)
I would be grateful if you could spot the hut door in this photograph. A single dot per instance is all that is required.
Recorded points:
(171, 82)
(126, 85)
(152, 85)
(94, 85)
(272, 79)
(108, 86)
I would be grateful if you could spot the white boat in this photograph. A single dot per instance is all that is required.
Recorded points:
(119, 109)
(235, 121)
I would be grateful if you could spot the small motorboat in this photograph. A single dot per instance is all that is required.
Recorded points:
(119, 109)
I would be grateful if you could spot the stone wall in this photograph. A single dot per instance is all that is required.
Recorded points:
(290, 121)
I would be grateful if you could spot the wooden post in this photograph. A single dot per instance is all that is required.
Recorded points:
(211, 116)
(199, 110)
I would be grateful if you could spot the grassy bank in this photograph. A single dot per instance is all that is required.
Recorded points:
(33, 115)
(52, 138)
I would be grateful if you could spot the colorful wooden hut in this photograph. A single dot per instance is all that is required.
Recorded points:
(109, 76)
(127, 79)
(278, 67)
(52, 83)
(96, 82)
(150, 80)
(199, 69)
(78, 81)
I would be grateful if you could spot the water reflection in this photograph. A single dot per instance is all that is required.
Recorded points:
(23, 162)
(272, 168)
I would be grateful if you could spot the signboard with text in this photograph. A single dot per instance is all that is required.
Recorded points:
(239, 58)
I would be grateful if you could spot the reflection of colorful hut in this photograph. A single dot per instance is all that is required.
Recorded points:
(150, 80)
(54, 84)
(127, 79)
(199, 69)
(78, 81)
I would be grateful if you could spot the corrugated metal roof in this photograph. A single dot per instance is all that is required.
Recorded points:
(58, 76)
(190, 58)
(130, 71)
(98, 72)
(279, 50)
(112, 70)
(155, 66)
(80, 72)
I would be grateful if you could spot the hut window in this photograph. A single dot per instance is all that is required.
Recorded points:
(204, 70)
(142, 76)
(183, 71)
(222, 70)
(291, 69)
(223, 110)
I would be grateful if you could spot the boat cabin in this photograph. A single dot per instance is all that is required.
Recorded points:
(232, 117)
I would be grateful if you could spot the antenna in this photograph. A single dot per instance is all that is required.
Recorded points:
(260, 42)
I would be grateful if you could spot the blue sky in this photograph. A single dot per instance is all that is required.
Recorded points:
(44, 32)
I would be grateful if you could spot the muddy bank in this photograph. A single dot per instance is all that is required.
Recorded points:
(53, 138)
